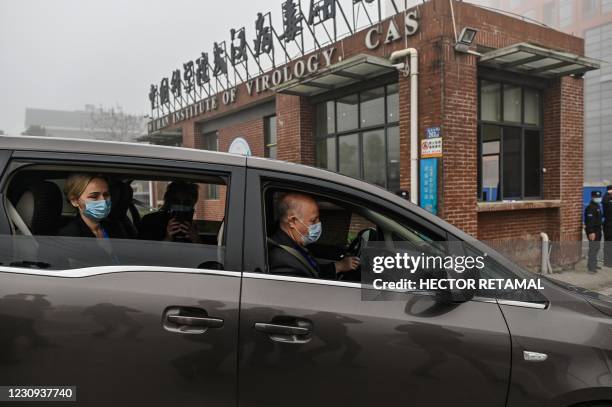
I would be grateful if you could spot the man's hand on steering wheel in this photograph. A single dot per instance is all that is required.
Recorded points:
(349, 263)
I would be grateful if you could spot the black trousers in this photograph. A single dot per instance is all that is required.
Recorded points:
(594, 246)
(608, 245)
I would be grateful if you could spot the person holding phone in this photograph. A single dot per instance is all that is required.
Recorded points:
(174, 221)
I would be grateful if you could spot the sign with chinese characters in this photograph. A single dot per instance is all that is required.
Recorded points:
(263, 61)
(432, 132)
(431, 147)
(429, 185)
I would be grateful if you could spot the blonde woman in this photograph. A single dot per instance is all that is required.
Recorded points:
(90, 194)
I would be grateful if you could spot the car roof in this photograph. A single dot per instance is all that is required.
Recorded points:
(84, 146)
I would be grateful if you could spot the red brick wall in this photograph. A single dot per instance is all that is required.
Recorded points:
(572, 150)
(503, 225)
(191, 134)
(252, 131)
(459, 141)
(211, 209)
(294, 127)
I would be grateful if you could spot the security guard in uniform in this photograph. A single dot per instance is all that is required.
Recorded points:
(607, 226)
(592, 223)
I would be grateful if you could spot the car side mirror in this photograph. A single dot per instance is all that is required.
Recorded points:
(458, 293)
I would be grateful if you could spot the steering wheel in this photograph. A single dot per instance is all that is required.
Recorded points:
(354, 248)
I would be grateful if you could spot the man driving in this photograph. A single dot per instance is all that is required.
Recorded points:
(299, 226)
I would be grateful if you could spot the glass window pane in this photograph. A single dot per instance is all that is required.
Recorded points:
(270, 137)
(325, 118)
(347, 113)
(393, 154)
(211, 141)
(374, 157)
(373, 107)
(271, 127)
(512, 162)
(490, 177)
(512, 103)
(491, 136)
(348, 152)
(490, 101)
(532, 107)
(392, 103)
(326, 153)
(533, 164)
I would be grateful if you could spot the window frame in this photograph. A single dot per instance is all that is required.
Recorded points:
(259, 180)
(212, 192)
(267, 134)
(234, 204)
(505, 125)
(359, 130)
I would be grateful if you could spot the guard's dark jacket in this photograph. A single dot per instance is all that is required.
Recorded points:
(592, 219)
(283, 262)
(606, 203)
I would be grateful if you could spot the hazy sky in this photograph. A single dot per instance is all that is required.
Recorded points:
(64, 54)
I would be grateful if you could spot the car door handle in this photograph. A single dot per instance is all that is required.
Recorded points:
(206, 322)
(189, 320)
(286, 329)
(281, 329)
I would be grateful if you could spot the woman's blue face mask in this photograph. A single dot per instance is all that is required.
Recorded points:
(97, 210)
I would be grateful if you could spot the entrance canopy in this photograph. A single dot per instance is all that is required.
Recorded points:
(533, 60)
(352, 70)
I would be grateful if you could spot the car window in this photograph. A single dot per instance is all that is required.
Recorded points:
(49, 232)
(348, 226)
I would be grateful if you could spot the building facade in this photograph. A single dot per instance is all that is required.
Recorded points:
(500, 134)
(591, 20)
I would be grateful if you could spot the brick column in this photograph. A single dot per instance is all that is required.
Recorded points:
(295, 135)
(571, 156)
(404, 128)
(459, 140)
(191, 135)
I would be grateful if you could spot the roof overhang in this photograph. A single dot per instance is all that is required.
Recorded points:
(352, 70)
(537, 61)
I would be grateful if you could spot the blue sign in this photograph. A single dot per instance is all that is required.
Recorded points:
(432, 132)
(429, 185)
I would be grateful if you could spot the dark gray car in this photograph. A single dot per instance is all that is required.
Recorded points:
(139, 322)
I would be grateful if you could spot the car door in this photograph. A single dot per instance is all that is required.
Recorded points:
(132, 333)
(308, 342)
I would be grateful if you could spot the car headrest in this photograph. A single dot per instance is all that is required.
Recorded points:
(122, 196)
(40, 207)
